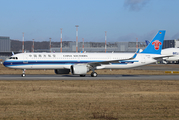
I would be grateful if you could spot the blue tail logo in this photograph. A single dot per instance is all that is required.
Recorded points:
(155, 46)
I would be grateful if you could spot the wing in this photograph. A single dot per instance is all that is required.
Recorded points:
(162, 56)
(94, 64)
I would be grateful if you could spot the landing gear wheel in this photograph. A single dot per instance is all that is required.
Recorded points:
(82, 75)
(94, 74)
(23, 75)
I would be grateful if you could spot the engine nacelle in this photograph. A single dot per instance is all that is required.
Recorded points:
(62, 71)
(79, 69)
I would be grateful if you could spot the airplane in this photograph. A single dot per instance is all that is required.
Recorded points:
(168, 51)
(81, 63)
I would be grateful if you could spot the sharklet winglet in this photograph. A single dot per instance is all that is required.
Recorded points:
(136, 54)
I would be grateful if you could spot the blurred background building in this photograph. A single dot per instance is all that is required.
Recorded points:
(7, 46)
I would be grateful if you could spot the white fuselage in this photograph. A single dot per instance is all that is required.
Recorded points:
(65, 60)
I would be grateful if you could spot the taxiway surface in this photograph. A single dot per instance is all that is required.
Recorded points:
(88, 77)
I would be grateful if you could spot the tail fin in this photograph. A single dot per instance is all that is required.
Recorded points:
(147, 42)
(12, 53)
(155, 46)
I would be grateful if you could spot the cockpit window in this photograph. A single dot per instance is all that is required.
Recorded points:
(15, 58)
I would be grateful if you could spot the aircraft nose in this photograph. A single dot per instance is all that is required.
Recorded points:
(5, 63)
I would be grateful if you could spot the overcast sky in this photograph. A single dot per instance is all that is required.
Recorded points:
(124, 20)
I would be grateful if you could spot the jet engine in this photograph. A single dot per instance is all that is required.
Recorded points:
(62, 71)
(79, 69)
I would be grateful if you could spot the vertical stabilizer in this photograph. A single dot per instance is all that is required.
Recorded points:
(155, 46)
(147, 42)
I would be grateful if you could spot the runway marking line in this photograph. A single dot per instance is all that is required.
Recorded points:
(175, 72)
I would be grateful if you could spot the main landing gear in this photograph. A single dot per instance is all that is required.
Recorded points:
(23, 73)
(94, 74)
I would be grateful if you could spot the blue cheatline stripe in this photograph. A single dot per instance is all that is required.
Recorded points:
(72, 61)
(19, 63)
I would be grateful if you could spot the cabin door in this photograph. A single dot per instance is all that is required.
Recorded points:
(143, 59)
(25, 59)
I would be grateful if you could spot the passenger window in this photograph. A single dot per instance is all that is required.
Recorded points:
(53, 55)
(35, 55)
(30, 55)
(49, 55)
(44, 55)
(40, 55)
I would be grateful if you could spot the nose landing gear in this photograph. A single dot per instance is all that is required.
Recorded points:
(23, 73)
